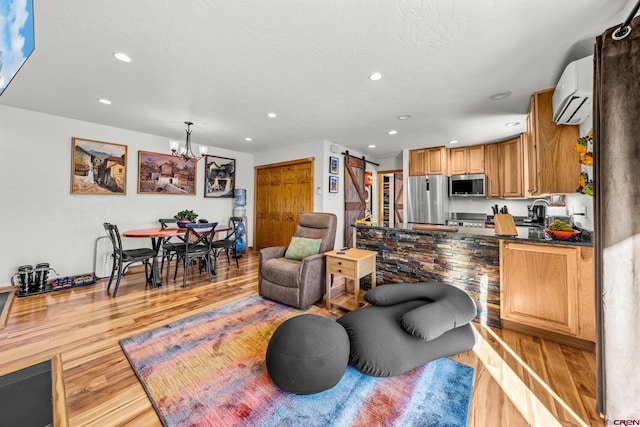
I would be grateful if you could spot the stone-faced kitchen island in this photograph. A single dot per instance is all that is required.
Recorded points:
(470, 261)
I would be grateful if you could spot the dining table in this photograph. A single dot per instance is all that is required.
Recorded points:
(159, 235)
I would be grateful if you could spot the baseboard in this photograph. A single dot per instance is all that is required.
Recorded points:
(551, 336)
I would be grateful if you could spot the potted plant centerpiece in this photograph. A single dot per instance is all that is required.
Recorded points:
(185, 217)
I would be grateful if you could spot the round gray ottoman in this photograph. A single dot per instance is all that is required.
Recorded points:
(307, 354)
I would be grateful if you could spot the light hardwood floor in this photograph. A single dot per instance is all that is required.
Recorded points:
(83, 325)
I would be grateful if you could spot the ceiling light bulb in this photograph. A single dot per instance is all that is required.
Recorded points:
(272, 115)
(371, 146)
(122, 56)
(453, 141)
(174, 145)
(248, 139)
(500, 95)
(393, 132)
(404, 117)
(375, 76)
(512, 124)
(104, 101)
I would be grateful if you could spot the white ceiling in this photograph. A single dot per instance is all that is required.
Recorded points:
(225, 64)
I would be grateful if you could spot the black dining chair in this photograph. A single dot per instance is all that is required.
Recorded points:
(228, 244)
(197, 246)
(170, 245)
(123, 258)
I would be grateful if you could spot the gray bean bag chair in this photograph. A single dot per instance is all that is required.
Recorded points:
(408, 325)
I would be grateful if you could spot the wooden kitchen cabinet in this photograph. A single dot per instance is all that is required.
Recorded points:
(551, 163)
(504, 168)
(510, 157)
(492, 170)
(548, 290)
(418, 162)
(437, 161)
(467, 160)
(428, 161)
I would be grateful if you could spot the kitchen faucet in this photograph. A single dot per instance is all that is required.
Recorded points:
(541, 200)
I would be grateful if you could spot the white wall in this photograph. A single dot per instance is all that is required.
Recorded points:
(391, 163)
(42, 222)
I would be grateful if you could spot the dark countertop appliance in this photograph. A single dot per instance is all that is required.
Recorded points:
(538, 213)
(467, 185)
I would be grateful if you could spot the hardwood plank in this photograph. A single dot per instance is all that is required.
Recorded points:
(579, 364)
(488, 402)
(560, 378)
(58, 395)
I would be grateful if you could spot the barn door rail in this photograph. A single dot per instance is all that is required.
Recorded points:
(346, 153)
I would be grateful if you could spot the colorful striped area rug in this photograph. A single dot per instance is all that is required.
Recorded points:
(209, 370)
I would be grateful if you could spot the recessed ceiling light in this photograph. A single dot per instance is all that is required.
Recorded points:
(104, 101)
(122, 56)
(453, 141)
(272, 115)
(512, 124)
(500, 95)
(248, 139)
(404, 117)
(371, 146)
(375, 76)
(393, 132)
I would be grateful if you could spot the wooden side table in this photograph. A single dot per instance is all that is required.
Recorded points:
(352, 264)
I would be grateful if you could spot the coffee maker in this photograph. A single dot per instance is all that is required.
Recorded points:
(537, 213)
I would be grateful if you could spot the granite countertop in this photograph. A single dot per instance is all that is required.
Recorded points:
(525, 234)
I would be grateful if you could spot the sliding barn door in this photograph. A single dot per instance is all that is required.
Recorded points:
(355, 196)
(398, 207)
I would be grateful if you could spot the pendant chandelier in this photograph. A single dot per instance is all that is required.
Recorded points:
(185, 152)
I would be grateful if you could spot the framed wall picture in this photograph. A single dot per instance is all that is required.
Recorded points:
(219, 176)
(165, 174)
(557, 200)
(333, 184)
(98, 167)
(333, 165)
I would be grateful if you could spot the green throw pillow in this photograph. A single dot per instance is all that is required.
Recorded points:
(302, 247)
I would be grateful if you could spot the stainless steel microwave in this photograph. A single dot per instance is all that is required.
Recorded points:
(467, 185)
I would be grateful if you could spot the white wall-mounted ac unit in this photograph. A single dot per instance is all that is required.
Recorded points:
(572, 99)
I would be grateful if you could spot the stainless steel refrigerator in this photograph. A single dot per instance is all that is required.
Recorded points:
(428, 199)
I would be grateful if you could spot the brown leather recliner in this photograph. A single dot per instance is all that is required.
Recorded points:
(298, 283)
